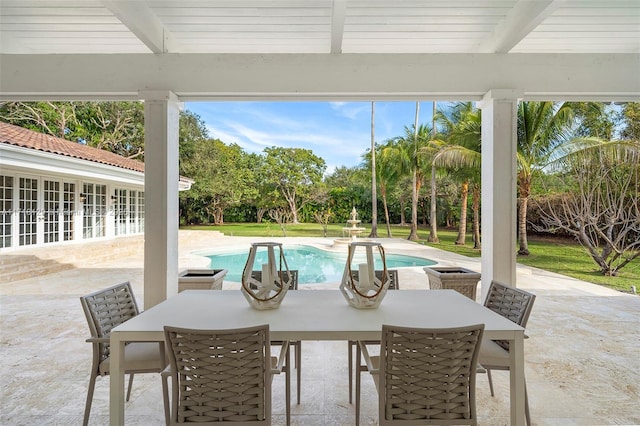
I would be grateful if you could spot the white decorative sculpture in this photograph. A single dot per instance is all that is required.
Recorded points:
(266, 288)
(360, 285)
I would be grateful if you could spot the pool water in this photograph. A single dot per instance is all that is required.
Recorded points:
(314, 265)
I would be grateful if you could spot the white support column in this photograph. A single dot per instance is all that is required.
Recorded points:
(499, 176)
(161, 177)
(111, 217)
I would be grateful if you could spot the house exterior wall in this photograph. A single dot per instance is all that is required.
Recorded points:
(50, 199)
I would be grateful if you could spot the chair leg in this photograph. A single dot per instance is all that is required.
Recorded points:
(87, 407)
(130, 386)
(298, 368)
(357, 371)
(350, 344)
(490, 382)
(165, 398)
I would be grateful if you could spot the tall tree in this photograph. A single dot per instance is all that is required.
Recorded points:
(374, 194)
(433, 212)
(388, 175)
(294, 172)
(413, 235)
(191, 132)
(602, 208)
(594, 119)
(411, 163)
(117, 127)
(223, 179)
(346, 187)
(542, 127)
(52, 118)
(462, 154)
(630, 121)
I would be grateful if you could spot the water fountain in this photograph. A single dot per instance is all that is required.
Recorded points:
(354, 230)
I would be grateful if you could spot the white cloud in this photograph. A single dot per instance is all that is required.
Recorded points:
(351, 110)
(338, 132)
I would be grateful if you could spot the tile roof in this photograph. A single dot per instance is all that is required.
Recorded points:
(18, 136)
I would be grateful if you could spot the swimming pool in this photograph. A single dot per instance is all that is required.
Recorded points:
(314, 265)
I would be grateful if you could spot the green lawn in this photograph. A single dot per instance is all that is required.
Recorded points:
(555, 255)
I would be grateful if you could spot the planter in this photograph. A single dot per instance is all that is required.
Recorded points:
(201, 279)
(462, 280)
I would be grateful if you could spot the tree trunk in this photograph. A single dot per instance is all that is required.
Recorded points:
(413, 235)
(386, 210)
(476, 217)
(462, 227)
(260, 214)
(423, 213)
(524, 190)
(374, 195)
(433, 213)
(294, 212)
(522, 227)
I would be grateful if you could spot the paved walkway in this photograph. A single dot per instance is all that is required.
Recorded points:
(582, 362)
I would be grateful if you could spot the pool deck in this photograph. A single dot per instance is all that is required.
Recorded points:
(582, 363)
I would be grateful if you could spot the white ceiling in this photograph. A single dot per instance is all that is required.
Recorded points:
(319, 26)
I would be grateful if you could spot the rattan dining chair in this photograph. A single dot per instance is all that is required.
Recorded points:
(424, 376)
(515, 305)
(296, 345)
(393, 285)
(221, 375)
(106, 309)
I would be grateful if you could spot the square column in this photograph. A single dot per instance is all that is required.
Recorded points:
(161, 121)
(499, 177)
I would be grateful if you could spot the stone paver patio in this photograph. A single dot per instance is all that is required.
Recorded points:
(582, 363)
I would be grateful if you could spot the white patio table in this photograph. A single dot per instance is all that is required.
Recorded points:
(316, 315)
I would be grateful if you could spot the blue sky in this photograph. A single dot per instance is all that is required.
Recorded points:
(338, 132)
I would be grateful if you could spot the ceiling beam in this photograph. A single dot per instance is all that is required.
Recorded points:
(321, 77)
(338, 14)
(12, 44)
(144, 24)
(523, 18)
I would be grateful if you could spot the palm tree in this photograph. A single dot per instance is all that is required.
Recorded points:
(413, 235)
(388, 173)
(433, 212)
(461, 155)
(374, 195)
(542, 127)
(413, 144)
(404, 153)
(411, 161)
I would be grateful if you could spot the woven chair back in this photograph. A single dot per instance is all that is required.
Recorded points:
(106, 309)
(510, 302)
(428, 375)
(220, 375)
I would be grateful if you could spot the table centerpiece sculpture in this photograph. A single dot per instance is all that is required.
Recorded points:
(265, 290)
(360, 286)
